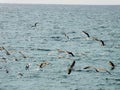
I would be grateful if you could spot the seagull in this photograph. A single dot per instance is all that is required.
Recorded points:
(97, 69)
(102, 69)
(22, 54)
(27, 66)
(66, 35)
(112, 65)
(43, 64)
(35, 24)
(102, 42)
(68, 52)
(86, 34)
(20, 74)
(71, 67)
(7, 71)
(7, 53)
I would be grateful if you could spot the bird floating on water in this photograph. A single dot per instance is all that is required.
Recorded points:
(7, 71)
(66, 35)
(35, 24)
(43, 64)
(27, 66)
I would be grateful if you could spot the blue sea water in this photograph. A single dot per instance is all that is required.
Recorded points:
(40, 44)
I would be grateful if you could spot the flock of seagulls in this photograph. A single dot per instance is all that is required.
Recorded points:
(70, 68)
(92, 67)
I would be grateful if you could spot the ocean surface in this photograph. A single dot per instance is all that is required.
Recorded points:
(34, 34)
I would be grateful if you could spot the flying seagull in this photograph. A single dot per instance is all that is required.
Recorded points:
(7, 53)
(102, 69)
(112, 65)
(86, 34)
(68, 52)
(22, 54)
(102, 42)
(71, 67)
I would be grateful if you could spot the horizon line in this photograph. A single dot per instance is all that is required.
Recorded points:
(57, 4)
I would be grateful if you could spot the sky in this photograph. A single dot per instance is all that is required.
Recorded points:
(94, 2)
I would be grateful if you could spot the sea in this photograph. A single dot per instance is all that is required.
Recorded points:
(39, 43)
